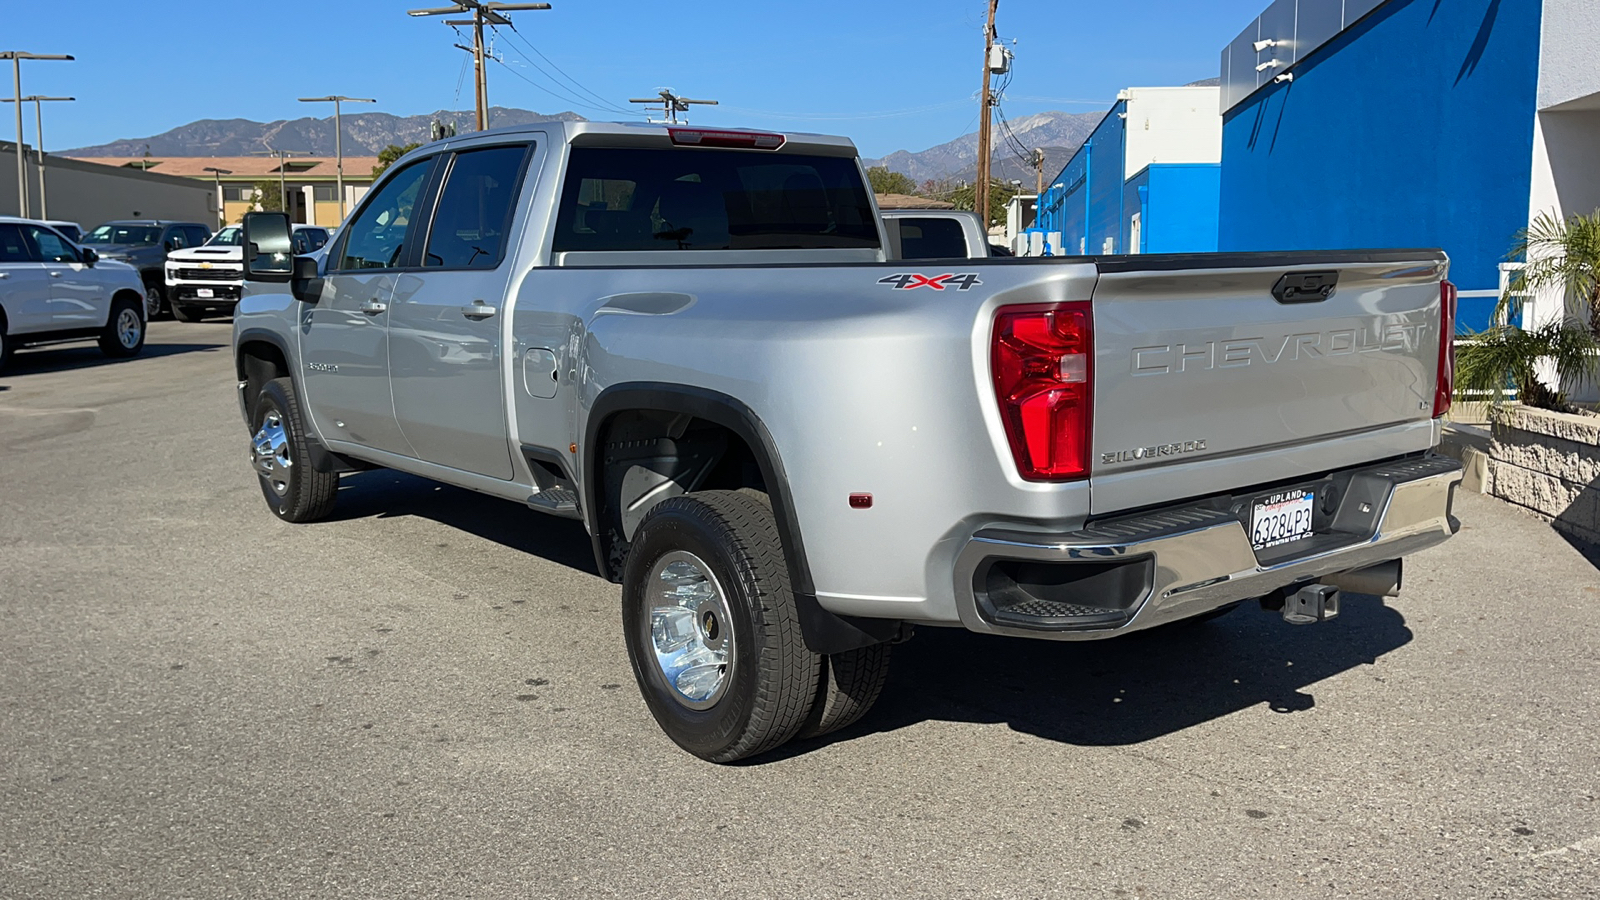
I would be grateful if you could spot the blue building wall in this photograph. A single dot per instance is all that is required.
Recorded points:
(1091, 191)
(1177, 203)
(1413, 128)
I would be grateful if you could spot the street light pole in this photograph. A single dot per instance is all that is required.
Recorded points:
(338, 139)
(38, 129)
(16, 57)
(222, 211)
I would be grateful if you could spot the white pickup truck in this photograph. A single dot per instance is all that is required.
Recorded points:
(205, 280)
(790, 448)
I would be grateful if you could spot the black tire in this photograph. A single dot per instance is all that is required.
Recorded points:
(850, 683)
(123, 335)
(5, 344)
(163, 304)
(294, 490)
(186, 313)
(771, 678)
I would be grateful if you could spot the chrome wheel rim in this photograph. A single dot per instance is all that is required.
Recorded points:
(152, 303)
(270, 453)
(129, 328)
(691, 629)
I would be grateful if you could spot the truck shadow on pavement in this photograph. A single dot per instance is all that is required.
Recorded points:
(1127, 690)
(1096, 693)
(66, 359)
(385, 493)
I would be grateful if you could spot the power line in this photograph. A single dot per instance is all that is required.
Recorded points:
(885, 114)
(563, 99)
(575, 82)
(491, 13)
(565, 95)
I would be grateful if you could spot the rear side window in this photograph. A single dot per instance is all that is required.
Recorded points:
(931, 238)
(13, 249)
(378, 232)
(474, 209)
(52, 247)
(702, 199)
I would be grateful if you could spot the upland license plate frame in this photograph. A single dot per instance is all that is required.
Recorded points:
(1282, 518)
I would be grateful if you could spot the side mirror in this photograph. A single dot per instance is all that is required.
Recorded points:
(269, 248)
(90, 257)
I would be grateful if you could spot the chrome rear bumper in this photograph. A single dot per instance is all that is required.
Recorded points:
(1180, 562)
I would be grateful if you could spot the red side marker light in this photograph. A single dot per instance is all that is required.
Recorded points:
(860, 501)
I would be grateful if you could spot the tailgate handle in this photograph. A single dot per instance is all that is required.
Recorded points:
(1305, 287)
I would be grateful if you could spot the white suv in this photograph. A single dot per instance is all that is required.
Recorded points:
(52, 290)
(206, 279)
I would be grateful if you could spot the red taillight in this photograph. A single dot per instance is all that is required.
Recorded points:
(1043, 367)
(1445, 387)
(748, 140)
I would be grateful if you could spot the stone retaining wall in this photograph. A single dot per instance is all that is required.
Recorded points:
(1548, 463)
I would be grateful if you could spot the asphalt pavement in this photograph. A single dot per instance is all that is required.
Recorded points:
(428, 697)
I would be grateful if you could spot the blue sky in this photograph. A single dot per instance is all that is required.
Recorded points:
(890, 75)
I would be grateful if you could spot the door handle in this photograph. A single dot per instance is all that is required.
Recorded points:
(373, 307)
(478, 311)
(5, 274)
(55, 274)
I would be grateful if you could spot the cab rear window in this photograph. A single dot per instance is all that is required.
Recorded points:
(706, 199)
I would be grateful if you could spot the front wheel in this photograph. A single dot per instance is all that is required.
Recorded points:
(124, 333)
(152, 303)
(712, 630)
(295, 491)
(184, 313)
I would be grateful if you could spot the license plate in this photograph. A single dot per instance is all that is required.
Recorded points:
(204, 292)
(1281, 518)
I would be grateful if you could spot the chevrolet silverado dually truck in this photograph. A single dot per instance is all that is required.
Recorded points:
(790, 448)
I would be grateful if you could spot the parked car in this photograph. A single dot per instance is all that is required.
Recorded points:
(144, 244)
(72, 230)
(790, 448)
(205, 280)
(935, 234)
(52, 291)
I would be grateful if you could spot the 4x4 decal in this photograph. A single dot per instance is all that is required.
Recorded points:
(911, 281)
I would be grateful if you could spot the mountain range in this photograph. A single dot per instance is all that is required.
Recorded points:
(1059, 134)
(365, 133)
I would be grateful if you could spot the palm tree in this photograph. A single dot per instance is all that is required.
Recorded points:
(1507, 355)
(1558, 255)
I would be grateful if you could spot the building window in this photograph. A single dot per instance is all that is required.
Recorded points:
(236, 193)
(325, 193)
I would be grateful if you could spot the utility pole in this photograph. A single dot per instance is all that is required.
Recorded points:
(38, 132)
(980, 195)
(16, 57)
(1038, 169)
(338, 139)
(671, 104)
(482, 14)
(222, 206)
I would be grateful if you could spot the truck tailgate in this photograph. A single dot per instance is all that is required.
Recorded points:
(1206, 382)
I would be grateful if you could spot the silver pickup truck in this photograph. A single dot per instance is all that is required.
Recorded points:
(790, 448)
